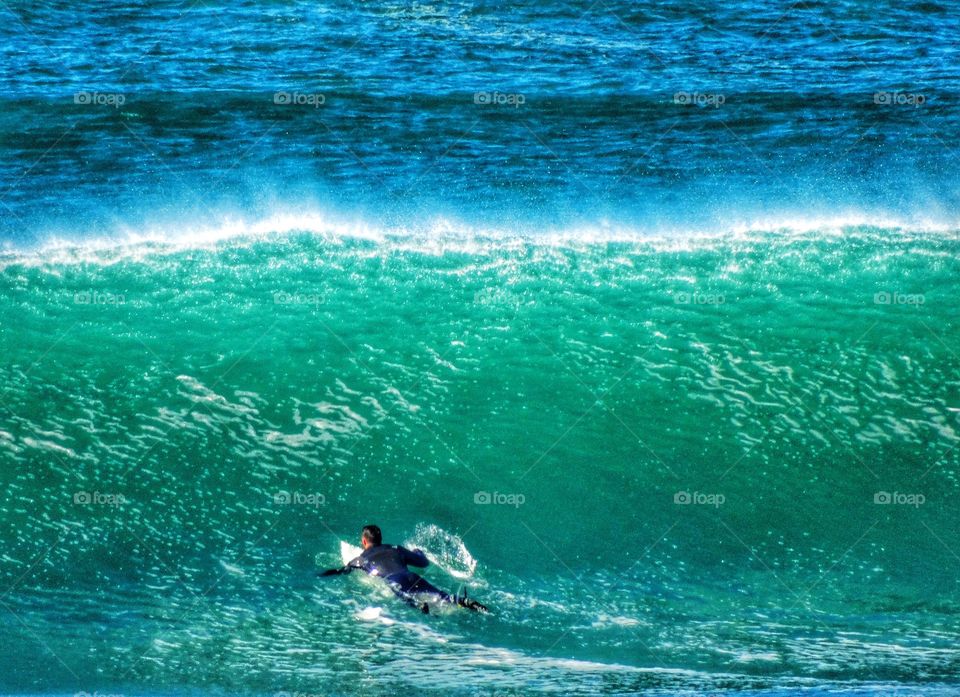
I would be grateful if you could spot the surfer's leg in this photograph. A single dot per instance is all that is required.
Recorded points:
(413, 588)
(472, 605)
(408, 587)
(409, 599)
(421, 586)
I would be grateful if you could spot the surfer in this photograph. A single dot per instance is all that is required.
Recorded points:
(390, 563)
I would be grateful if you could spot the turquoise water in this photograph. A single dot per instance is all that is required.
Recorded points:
(190, 429)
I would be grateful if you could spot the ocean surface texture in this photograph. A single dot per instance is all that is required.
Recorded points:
(641, 318)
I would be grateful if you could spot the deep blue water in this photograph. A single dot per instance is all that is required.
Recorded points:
(675, 115)
(631, 247)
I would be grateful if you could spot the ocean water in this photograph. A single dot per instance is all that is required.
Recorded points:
(639, 318)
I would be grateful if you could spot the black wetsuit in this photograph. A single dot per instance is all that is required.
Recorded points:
(390, 563)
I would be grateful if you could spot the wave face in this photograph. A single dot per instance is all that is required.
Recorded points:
(691, 463)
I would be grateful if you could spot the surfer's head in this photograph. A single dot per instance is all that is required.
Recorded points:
(371, 536)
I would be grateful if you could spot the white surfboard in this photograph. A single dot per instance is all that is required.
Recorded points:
(348, 552)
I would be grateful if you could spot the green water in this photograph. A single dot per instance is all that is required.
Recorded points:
(160, 401)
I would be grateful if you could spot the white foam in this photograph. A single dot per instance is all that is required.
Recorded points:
(439, 235)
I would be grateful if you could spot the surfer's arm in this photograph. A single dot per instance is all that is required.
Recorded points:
(336, 572)
(414, 558)
(345, 569)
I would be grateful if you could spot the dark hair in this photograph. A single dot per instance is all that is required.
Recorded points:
(372, 534)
